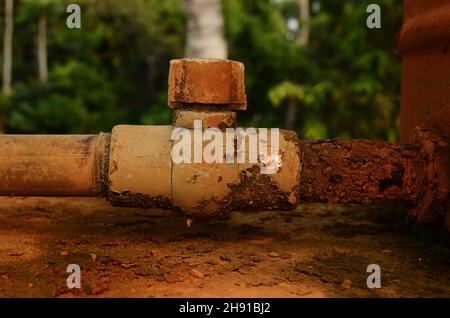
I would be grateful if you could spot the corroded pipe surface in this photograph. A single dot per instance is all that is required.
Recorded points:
(137, 171)
(424, 45)
(33, 165)
(361, 171)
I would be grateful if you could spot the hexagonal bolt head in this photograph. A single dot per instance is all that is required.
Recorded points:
(207, 84)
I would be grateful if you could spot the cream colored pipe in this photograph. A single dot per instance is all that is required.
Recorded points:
(56, 165)
(133, 167)
(142, 174)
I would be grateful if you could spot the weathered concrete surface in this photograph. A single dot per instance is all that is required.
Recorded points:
(317, 250)
(215, 83)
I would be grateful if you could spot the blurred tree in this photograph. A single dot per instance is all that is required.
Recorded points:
(345, 81)
(113, 70)
(7, 60)
(357, 66)
(41, 8)
(362, 66)
(42, 47)
(258, 36)
(7, 46)
(205, 36)
(303, 40)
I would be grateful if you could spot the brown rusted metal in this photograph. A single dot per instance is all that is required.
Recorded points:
(432, 136)
(52, 165)
(217, 84)
(424, 44)
(361, 171)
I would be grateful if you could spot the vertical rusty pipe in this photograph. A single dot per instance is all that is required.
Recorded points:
(71, 165)
(424, 45)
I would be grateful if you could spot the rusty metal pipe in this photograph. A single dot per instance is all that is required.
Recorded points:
(361, 171)
(424, 45)
(134, 168)
(133, 165)
(34, 165)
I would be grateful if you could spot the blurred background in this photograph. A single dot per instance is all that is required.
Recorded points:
(311, 65)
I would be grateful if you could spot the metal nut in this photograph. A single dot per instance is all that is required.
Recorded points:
(217, 84)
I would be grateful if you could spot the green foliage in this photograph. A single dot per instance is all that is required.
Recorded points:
(310, 98)
(256, 31)
(112, 70)
(59, 105)
(344, 83)
(287, 90)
